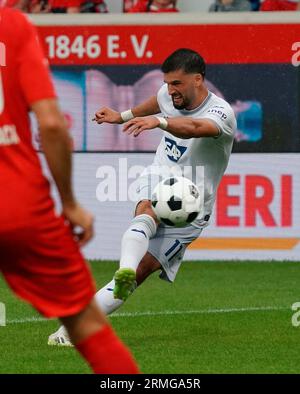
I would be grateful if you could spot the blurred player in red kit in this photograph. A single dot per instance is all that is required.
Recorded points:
(39, 256)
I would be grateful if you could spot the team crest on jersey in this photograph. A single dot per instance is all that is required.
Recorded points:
(174, 151)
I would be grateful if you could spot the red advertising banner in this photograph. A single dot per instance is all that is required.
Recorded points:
(219, 44)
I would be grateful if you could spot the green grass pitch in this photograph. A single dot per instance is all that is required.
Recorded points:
(218, 317)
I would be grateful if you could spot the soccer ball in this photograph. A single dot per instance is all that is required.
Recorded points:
(176, 201)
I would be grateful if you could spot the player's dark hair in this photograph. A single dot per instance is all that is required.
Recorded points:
(184, 59)
(149, 4)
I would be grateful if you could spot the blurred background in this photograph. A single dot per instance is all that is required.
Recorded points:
(108, 53)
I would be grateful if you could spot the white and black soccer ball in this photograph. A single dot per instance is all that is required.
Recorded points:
(176, 201)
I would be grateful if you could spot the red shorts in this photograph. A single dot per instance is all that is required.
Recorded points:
(43, 265)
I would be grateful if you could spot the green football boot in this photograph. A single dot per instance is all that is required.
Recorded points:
(124, 283)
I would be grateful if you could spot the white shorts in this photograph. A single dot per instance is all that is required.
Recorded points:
(169, 244)
(168, 247)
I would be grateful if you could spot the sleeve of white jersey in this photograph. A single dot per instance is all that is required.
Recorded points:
(223, 117)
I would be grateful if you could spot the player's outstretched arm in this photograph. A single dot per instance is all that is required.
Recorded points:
(148, 107)
(182, 127)
(56, 144)
(108, 115)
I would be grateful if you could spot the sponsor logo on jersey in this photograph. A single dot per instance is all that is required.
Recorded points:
(8, 135)
(174, 151)
(218, 110)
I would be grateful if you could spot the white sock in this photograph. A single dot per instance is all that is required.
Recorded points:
(135, 241)
(105, 299)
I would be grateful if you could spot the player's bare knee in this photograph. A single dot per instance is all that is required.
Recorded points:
(144, 207)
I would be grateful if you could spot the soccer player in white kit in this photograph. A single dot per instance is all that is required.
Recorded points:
(198, 133)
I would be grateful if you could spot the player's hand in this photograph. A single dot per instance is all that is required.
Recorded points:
(137, 125)
(81, 222)
(107, 115)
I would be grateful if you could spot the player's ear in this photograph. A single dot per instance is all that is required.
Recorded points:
(198, 79)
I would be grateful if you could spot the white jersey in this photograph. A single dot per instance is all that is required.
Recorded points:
(203, 158)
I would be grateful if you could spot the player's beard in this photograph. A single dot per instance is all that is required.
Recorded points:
(181, 104)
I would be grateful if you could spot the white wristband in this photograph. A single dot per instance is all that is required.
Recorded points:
(163, 123)
(127, 115)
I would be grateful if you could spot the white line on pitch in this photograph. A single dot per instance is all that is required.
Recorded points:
(32, 319)
(198, 312)
(166, 313)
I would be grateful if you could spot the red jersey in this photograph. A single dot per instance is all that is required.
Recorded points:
(24, 79)
(13, 3)
(64, 3)
(278, 5)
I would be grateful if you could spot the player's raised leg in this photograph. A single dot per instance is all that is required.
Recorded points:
(135, 265)
(106, 300)
(135, 243)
